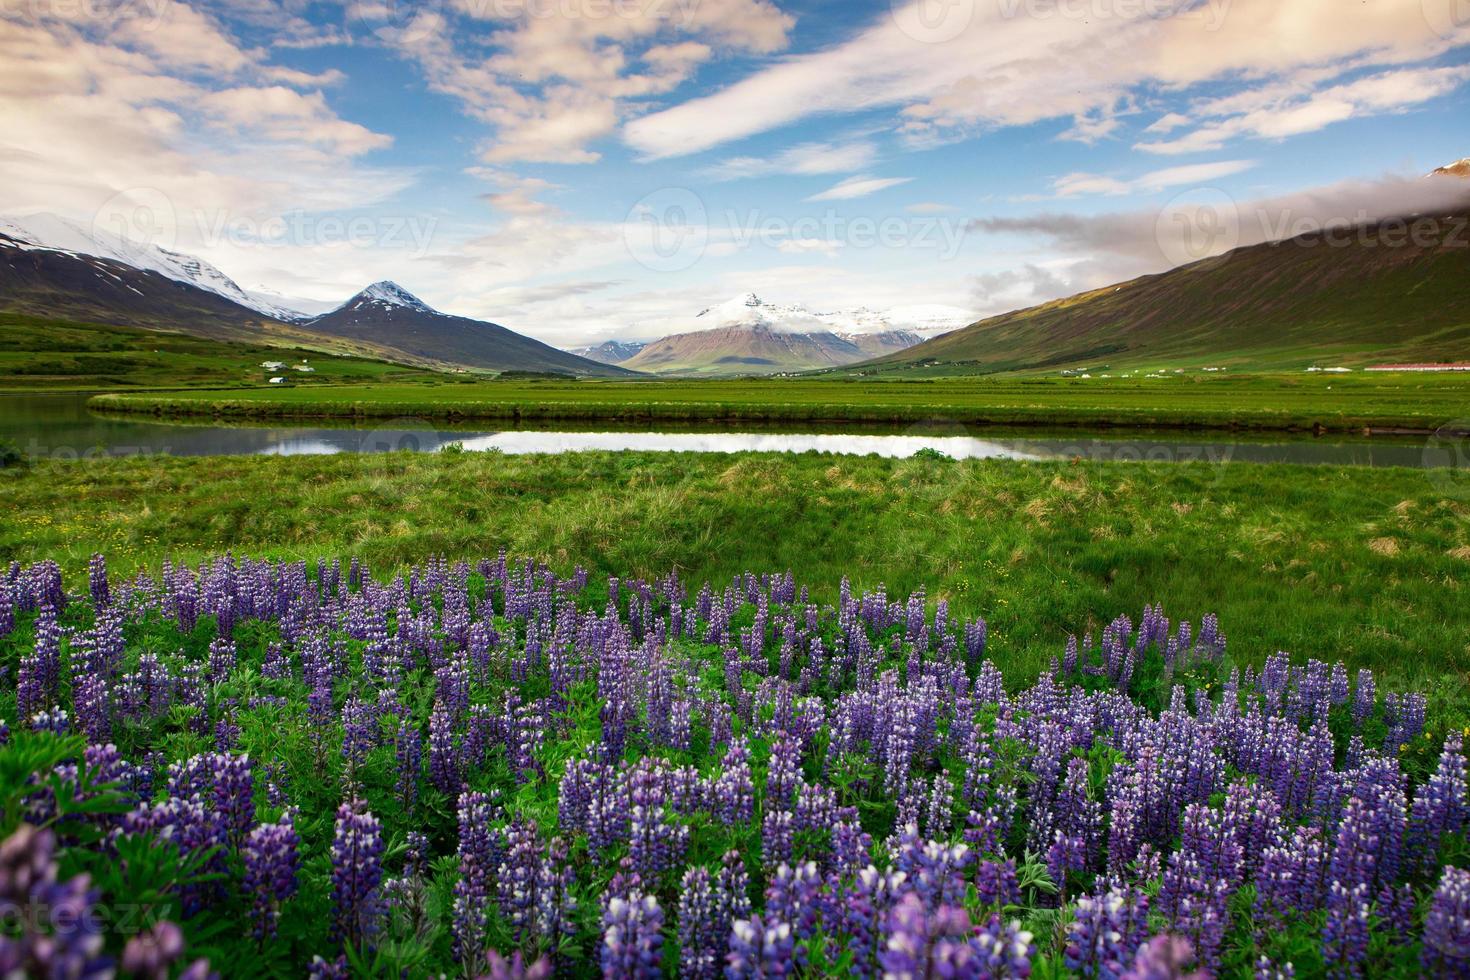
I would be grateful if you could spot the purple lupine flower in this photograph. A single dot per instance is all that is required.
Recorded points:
(60, 935)
(1441, 805)
(1002, 950)
(935, 872)
(97, 582)
(760, 950)
(444, 757)
(498, 967)
(271, 863)
(232, 787)
(1290, 880)
(515, 879)
(702, 931)
(1345, 936)
(997, 883)
(408, 750)
(1066, 855)
(793, 896)
(151, 954)
(1363, 698)
(479, 857)
(1164, 958)
(778, 836)
(942, 943)
(357, 875)
(632, 940)
(783, 774)
(1446, 951)
(732, 795)
(555, 904)
(1106, 932)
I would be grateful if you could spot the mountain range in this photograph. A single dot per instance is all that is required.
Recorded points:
(1375, 294)
(53, 268)
(386, 309)
(610, 351)
(746, 335)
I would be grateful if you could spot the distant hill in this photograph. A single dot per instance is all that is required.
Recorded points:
(610, 352)
(388, 315)
(746, 335)
(1375, 294)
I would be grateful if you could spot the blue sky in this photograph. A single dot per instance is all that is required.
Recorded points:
(584, 169)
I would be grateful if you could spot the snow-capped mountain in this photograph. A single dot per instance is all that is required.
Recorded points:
(748, 309)
(746, 335)
(609, 352)
(384, 296)
(1460, 168)
(54, 233)
(385, 313)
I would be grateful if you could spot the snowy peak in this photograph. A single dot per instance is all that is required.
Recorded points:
(387, 295)
(749, 310)
(1460, 168)
(53, 233)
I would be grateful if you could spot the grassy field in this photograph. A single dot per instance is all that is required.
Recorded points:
(1368, 566)
(1420, 402)
(54, 355)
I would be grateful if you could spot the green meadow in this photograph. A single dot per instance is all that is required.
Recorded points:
(1371, 566)
(1417, 402)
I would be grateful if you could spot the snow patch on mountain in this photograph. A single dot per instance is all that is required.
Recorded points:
(387, 295)
(748, 309)
(57, 234)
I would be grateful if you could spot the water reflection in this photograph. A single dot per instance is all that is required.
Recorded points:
(60, 426)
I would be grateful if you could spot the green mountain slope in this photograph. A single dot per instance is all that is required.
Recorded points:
(1381, 295)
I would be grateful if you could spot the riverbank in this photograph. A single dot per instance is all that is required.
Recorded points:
(1388, 403)
(1372, 566)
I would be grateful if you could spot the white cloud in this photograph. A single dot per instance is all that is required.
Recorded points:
(1084, 184)
(1010, 69)
(854, 187)
(1301, 106)
(802, 159)
(549, 87)
(1098, 250)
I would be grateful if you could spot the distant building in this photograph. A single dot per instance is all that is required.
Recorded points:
(1457, 366)
(272, 365)
(304, 368)
(278, 381)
